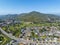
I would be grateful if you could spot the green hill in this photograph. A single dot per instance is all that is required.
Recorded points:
(33, 16)
(38, 17)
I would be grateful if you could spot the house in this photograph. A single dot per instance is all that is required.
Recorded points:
(21, 43)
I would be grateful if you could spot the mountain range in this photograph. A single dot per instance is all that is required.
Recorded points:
(33, 16)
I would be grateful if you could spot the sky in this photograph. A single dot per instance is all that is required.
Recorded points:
(24, 6)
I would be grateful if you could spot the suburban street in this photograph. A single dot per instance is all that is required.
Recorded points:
(17, 39)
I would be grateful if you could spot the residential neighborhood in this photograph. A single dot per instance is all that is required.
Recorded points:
(30, 35)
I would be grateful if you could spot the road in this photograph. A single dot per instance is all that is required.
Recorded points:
(17, 39)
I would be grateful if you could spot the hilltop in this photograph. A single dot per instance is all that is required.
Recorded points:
(39, 17)
(33, 16)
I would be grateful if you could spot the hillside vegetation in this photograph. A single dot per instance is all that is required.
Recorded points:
(38, 17)
(33, 16)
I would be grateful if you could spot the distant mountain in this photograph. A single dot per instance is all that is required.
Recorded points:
(39, 17)
(33, 16)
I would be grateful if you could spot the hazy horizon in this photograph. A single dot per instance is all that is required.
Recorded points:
(25, 6)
